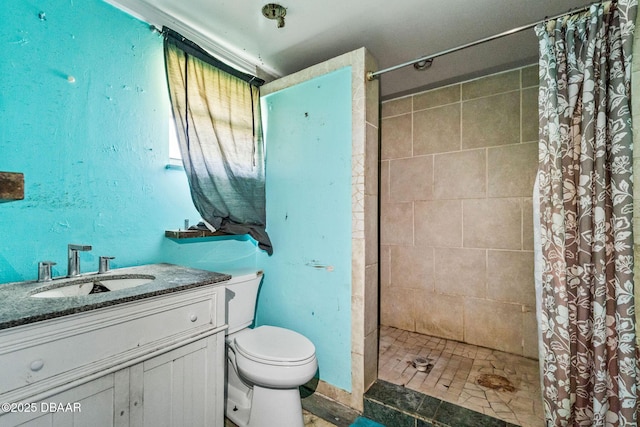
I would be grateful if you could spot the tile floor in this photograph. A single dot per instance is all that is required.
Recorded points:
(310, 420)
(455, 368)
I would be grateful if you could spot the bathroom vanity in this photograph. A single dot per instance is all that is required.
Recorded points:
(149, 355)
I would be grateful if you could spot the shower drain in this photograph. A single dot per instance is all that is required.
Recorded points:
(495, 382)
(422, 364)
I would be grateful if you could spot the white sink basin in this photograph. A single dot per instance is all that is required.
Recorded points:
(95, 284)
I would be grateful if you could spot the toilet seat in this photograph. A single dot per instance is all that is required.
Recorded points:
(272, 345)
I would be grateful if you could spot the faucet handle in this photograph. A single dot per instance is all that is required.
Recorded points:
(44, 271)
(104, 266)
(83, 248)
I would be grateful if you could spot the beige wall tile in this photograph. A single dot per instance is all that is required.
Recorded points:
(411, 179)
(436, 97)
(436, 130)
(371, 299)
(384, 181)
(527, 224)
(397, 306)
(396, 224)
(412, 267)
(460, 175)
(440, 315)
(530, 121)
(438, 223)
(493, 324)
(385, 266)
(530, 333)
(510, 277)
(490, 85)
(357, 192)
(338, 394)
(357, 324)
(357, 377)
(396, 137)
(476, 222)
(530, 76)
(491, 121)
(371, 229)
(397, 107)
(358, 266)
(461, 271)
(512, 170)
(370, 358)
(371, 161)
(492, 223)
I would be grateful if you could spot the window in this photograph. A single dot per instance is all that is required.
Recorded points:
(175, 157)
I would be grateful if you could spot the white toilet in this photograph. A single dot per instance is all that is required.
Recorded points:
(265, 365)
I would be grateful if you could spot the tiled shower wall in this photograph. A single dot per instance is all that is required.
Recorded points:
(458, 165)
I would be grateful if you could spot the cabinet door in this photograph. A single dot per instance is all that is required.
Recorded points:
(183, 387)
(91, 404)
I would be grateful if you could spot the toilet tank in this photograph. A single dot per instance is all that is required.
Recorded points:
(241, 296)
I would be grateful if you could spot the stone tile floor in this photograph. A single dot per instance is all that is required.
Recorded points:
(310, 420)
(319, 411)
(455, 368)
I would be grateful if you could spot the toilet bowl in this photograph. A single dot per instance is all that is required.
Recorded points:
(265, 365)
(274, 357)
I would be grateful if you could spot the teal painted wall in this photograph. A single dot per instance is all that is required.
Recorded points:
(93, 151)
(307, 282)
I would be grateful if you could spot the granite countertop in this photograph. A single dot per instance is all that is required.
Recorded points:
(19, 308)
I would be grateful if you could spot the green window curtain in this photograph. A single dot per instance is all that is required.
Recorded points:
(217, 117)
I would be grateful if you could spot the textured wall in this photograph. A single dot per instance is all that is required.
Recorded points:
(458, 165)
(93, 150)
(357, 369)
(307, 284)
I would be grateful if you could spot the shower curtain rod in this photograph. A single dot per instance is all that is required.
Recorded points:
(371, 75)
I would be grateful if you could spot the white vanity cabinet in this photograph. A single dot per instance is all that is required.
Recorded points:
(96, 401)
(180, 388)
(157, 361)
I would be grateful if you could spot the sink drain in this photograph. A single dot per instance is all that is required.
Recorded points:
(495, 382)
(98, 288)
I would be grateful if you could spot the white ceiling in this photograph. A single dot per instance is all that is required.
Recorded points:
(394, 32)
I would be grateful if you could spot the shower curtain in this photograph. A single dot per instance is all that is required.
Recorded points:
(588, 353)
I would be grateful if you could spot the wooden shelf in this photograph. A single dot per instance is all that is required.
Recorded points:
(192, 234)
(11, 186)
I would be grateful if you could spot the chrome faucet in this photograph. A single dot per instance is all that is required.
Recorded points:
(44, 271)
(103, 266)
(73, 258)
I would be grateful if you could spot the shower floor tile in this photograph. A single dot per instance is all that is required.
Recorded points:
(454, 371)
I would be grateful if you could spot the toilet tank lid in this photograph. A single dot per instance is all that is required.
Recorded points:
(242, 275)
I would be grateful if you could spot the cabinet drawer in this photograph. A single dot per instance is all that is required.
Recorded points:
(101, 338)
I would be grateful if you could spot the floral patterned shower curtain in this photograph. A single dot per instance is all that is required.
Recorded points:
(589, 356)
